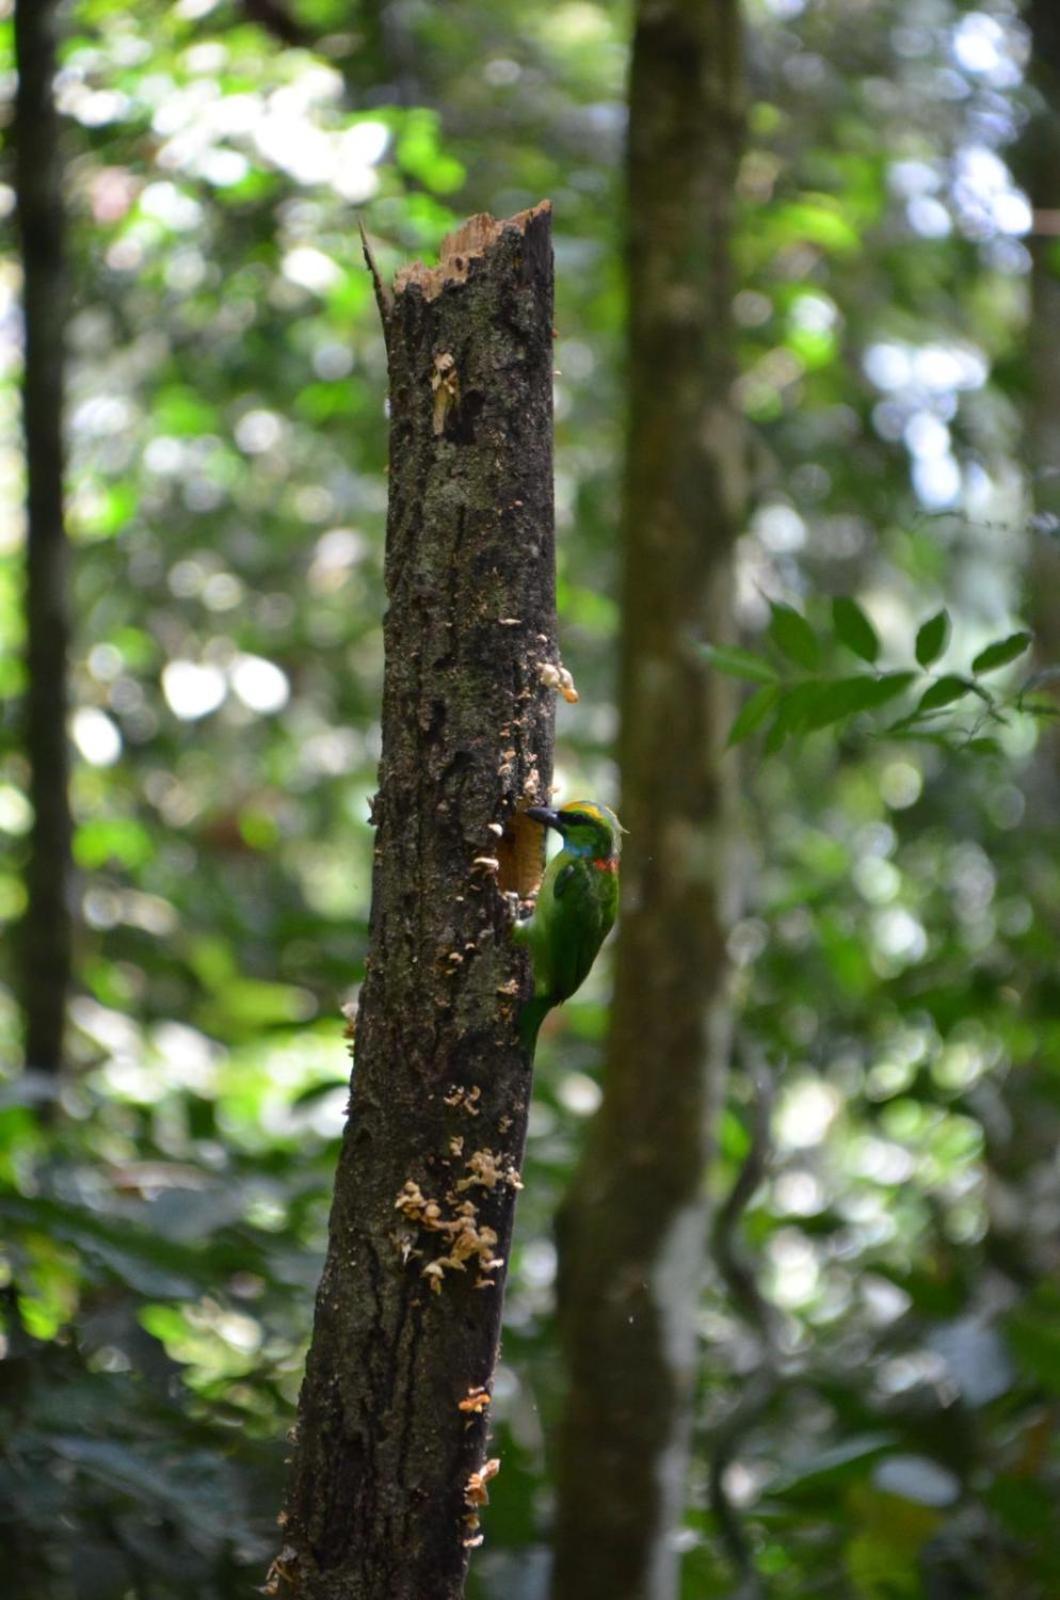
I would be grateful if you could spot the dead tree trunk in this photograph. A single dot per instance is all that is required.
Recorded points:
(46, 926)
(388, 1473)
(632, 1234)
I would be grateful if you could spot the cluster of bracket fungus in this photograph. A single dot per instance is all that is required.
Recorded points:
(554, 675)
(476, 1495)
(477, 1400)
(465, 1099)
(486, 1170)
(467, 1241)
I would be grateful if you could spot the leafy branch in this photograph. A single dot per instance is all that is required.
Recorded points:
(795, 694)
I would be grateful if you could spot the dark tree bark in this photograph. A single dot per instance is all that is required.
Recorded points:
(632, 1233)
(1039, 166)
(388, 1465)
(46, 927)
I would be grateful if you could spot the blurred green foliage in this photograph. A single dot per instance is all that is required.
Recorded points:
(896, 957)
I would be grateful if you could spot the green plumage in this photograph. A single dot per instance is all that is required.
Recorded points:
(575, 908)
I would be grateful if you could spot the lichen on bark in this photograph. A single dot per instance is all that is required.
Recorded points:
(388, 1474)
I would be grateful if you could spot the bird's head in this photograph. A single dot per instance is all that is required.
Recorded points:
(588, 829)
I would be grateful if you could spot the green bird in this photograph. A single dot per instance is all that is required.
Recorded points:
(575, 907)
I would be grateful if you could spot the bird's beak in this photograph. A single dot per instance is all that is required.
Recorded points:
(546, 817)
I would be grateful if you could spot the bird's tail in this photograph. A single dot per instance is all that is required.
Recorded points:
(532, 1015)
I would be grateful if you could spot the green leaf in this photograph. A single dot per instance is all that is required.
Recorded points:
(793, 636)
(796, 706)
(943, 693)
(255, 1003)
(103, 840)
(818, 220)
(737, 663)
(845, 697)
(853, 628)
(419, 152)
(886, 687)
(815, 347)
(932, 637)
(180, 410)
(754, 712)
(776, 736)
(806, 707)
(147, 1264)
(831, 702)
(103, 510)
(1001, 652)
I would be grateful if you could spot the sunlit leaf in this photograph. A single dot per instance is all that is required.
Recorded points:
(819, 221)
(419, 152)
(181, 411)
(815, 347)
(113, 839)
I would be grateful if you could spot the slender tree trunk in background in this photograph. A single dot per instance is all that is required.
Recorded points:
(46, 927)
(382, 1501)
(1040, 172)
(633, 1231)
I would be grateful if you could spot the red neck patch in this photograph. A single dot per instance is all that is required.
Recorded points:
(606, 863)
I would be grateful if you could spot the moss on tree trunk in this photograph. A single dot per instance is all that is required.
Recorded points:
(383, 1497)
(632, 1233)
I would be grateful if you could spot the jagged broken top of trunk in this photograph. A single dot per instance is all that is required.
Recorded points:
(460, 248)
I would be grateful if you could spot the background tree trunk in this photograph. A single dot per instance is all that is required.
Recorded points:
(46, 927)
(632, 1234)
(382, 1502)
(1040, 171)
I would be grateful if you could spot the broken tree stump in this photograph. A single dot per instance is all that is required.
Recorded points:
(389, 1469)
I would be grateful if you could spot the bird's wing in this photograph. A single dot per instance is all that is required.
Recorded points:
(564, 878)
(577, 928)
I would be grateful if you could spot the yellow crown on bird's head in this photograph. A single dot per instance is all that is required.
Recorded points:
(588, 828)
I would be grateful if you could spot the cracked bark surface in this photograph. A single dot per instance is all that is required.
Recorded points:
(378, 1505)
(632, 1233)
